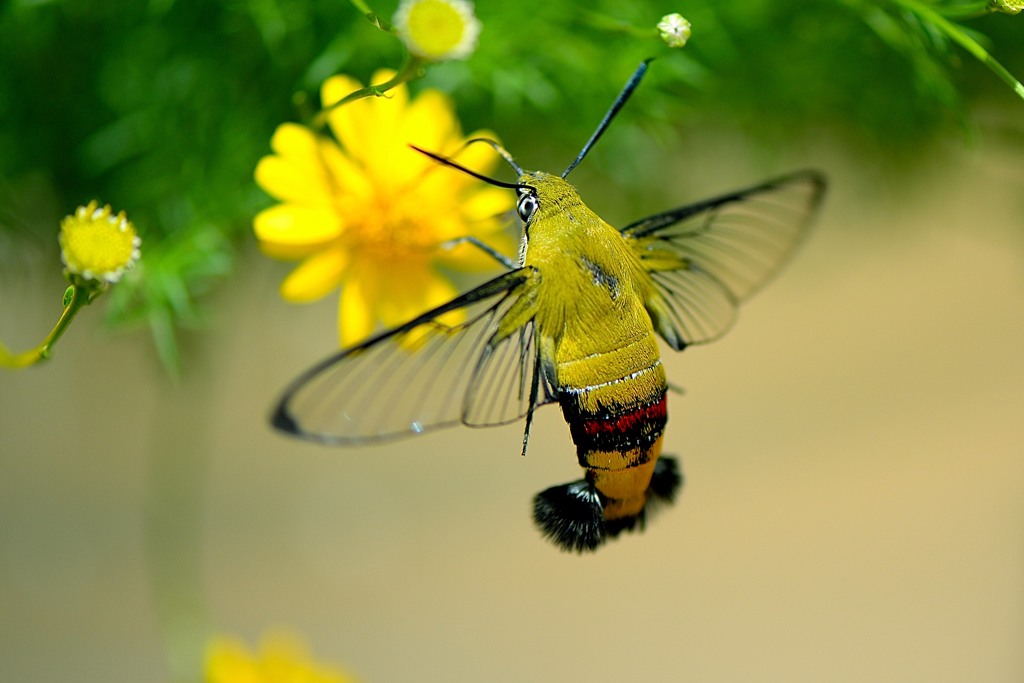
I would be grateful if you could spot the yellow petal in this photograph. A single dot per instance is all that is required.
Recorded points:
(344, 177)
(301, 169)
(290, 231)
(294, 141)
(440, 291)
(291, 182)
(315, 277)
(429, 123)
(337, 87)
(406, 290)
(480, 157)
(348, 122)
(355, 315)
(366, 127)
(488, 202)
(399, 94)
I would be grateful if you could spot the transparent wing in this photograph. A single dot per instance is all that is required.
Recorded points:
(503, 383)
(708, 257)
(425, 374)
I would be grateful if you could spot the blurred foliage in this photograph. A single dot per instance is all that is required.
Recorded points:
(163, 107)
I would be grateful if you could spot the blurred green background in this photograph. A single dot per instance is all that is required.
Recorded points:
(854, 508)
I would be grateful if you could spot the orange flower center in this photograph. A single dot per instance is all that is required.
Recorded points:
(390, 229)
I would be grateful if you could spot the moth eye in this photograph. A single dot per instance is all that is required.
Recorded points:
(527, 206)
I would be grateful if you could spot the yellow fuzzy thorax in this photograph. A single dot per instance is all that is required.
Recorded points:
(591, 307)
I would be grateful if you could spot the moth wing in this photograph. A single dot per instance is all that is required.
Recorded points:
(708, 257)
(425, 374)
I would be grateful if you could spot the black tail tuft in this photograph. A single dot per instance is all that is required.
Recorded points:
(571, 515)
(618, 525)
(665, 482)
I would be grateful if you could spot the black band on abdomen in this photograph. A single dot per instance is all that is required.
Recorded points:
(638, 426)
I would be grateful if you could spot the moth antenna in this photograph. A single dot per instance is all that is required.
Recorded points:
(500, 150)
(631, 85)
(479, 176)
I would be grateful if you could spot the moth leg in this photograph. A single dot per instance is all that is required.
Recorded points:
(486, 248)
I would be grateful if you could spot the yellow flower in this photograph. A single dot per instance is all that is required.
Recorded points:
(437, 29)
(281, 659)
(372, 214)
(674, 29)
(97, 245)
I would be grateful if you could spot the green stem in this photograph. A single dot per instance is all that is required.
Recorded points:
(411, 70)
(372, 16)
(967, 10)
(605, 23)
(959, 36)
(75, 297)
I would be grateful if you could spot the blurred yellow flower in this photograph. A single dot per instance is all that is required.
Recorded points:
(437, 29)
(97, 245)
(371, 215)
(281, 659)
